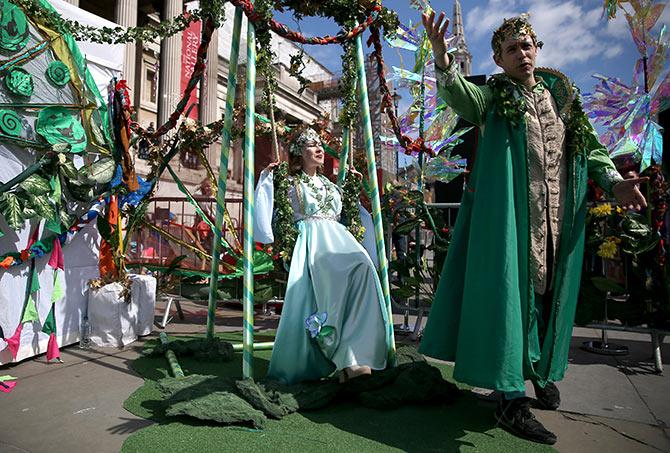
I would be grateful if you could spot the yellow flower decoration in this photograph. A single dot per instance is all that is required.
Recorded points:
(609, 248)
(601, 211)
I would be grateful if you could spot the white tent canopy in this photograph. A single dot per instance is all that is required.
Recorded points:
(104, 60)
(80, 254)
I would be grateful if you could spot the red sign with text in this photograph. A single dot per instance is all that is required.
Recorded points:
(190, 41)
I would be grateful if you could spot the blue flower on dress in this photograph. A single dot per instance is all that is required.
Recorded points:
(314, 323)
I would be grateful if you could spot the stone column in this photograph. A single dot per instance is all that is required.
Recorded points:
(169, 88)
(209, 111)
(125, 14)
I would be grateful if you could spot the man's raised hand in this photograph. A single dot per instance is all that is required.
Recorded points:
(436, 30)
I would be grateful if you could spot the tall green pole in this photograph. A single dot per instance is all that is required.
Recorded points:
(374, 191)
(248, 244)
(344, 156)
(223, 170)
(417, 230)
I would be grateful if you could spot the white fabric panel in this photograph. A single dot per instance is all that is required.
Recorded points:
(112, 319)
(80, 254)
(263, 209)
(108, 55)
(143, 292)
(105, 61)
(80, 257)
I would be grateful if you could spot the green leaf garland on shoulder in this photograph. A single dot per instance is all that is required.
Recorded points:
(509, 102)
(569, 102)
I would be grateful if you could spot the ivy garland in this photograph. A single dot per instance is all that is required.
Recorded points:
(285, 231)
(349, 111)
(264, 53)
(510, 103)
(121, 35)
(351, 191)
(577, 126)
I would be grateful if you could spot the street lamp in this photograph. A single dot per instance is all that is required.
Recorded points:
(396, 99)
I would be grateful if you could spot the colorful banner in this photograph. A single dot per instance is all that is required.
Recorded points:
(190, 41)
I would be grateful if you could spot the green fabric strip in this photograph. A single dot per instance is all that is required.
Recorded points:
(198, 209)
(58, 292)
(49, 326)
(30, 313)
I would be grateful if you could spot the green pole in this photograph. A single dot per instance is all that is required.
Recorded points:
(171, 358)
(417, 230)
(248, 245)
(374, 191)
(344, 156)
(260, 346)
(223, 170)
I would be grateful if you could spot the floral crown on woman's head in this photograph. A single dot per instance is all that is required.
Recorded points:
(513, 28)
(301, 138)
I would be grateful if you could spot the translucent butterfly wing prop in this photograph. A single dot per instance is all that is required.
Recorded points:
(421, 5)
(445, 168)
(405, 38)
(627, 113)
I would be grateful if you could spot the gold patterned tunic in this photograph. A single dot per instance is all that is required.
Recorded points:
(548, 178)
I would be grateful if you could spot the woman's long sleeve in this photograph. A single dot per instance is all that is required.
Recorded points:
(264, 209)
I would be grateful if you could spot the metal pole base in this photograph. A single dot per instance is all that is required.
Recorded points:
(599, 347)
(402, 330)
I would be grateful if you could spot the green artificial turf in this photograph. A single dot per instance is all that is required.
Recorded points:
(466, 425)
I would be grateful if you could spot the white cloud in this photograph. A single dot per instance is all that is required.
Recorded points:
(480, 22)
(573, 33)
(617, 27)
(613, 51)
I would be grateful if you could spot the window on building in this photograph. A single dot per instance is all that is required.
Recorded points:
(149, 87)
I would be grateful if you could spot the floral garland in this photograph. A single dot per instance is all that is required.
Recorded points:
(285, 231)
(121, 35)
(509, 102)
(349, 112)
(264, 53)
(324, 202)
(577, 126)
(351, 191)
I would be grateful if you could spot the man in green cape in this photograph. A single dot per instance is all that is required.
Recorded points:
(505, 305)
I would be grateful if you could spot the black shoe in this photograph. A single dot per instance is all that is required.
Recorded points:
(547, 398)
(515, 416)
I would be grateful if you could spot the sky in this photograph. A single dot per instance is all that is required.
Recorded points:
(578, 40)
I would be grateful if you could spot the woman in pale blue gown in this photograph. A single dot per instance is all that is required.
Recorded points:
(334, 316)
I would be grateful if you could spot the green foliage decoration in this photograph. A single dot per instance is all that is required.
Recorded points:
(213, 9)
(350, 213)
(285, 231)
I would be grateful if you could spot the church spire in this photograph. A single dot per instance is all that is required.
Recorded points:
(462, 55)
